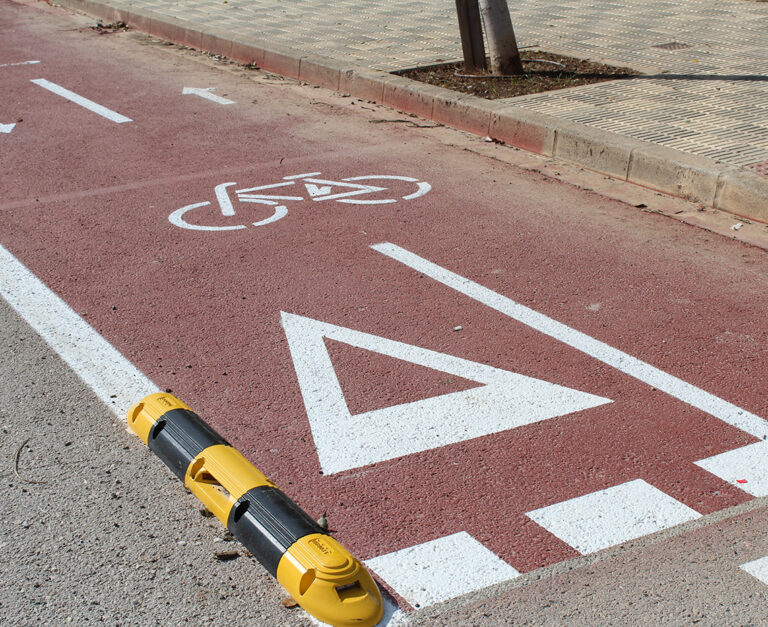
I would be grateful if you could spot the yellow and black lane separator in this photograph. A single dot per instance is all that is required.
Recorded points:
(318, 572)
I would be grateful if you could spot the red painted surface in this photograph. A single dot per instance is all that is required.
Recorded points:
(85, 204)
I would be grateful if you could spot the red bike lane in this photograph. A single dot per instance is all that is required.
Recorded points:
(208, 313)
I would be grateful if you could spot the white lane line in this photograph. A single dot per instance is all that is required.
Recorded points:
(640, 370)
(83, 102)
(758, 569)
(612, 516)
(19, 63)
(114, 379)
(441, 569)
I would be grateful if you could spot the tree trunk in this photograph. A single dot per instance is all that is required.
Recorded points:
(502, 46)
(471, 30)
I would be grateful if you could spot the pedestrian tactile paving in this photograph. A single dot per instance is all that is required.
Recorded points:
(704, 62)
(618, 514)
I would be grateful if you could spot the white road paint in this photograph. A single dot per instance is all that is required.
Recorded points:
(177, 219)
(7, 128)
(83, 102)
(618, 514)
(441, 569)
(506, 400)
(205, 92)
(301, 176)
(279, 214)
(392, 617)
(317, 189)
(222, 196)
(745, 467)
(325, 191)
(248, 190)
(758, 569)
(422, 187)
(19, 63)
(114, 379)
(709, 403)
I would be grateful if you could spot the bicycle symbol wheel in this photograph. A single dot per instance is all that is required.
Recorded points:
(352, 190)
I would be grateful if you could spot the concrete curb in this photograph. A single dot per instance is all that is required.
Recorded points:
(673, 172)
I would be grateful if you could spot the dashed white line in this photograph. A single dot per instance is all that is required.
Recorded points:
(612, 516)
(80, 100)
(745, 467)
(19, 63)
(441, 569)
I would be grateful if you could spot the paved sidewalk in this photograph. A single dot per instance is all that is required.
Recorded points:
(707, 92)
(704, 91)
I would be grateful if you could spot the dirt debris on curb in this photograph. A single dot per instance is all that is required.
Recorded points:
(113, 27)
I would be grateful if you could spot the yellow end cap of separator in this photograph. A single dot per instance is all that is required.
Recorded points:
(219, 476)
(327, 581)
(144, 414)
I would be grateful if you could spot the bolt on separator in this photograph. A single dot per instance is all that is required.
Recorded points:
(318, 572)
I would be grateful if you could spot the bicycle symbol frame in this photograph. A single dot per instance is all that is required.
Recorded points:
(318, 189)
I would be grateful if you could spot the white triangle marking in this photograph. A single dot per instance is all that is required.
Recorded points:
(505, 401)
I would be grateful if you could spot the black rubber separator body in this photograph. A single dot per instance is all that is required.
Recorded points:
(179, 436)
(268, 522)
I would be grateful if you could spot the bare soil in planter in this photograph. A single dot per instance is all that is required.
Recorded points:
(543, 71)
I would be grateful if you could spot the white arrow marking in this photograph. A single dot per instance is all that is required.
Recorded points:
(6, 128)
(205, 92)
(505, 400)
(19, 63)
(83, 102)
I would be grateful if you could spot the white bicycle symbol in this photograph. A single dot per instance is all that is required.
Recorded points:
(317, 188)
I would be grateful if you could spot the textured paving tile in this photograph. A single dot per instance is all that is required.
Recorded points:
(708, 95)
